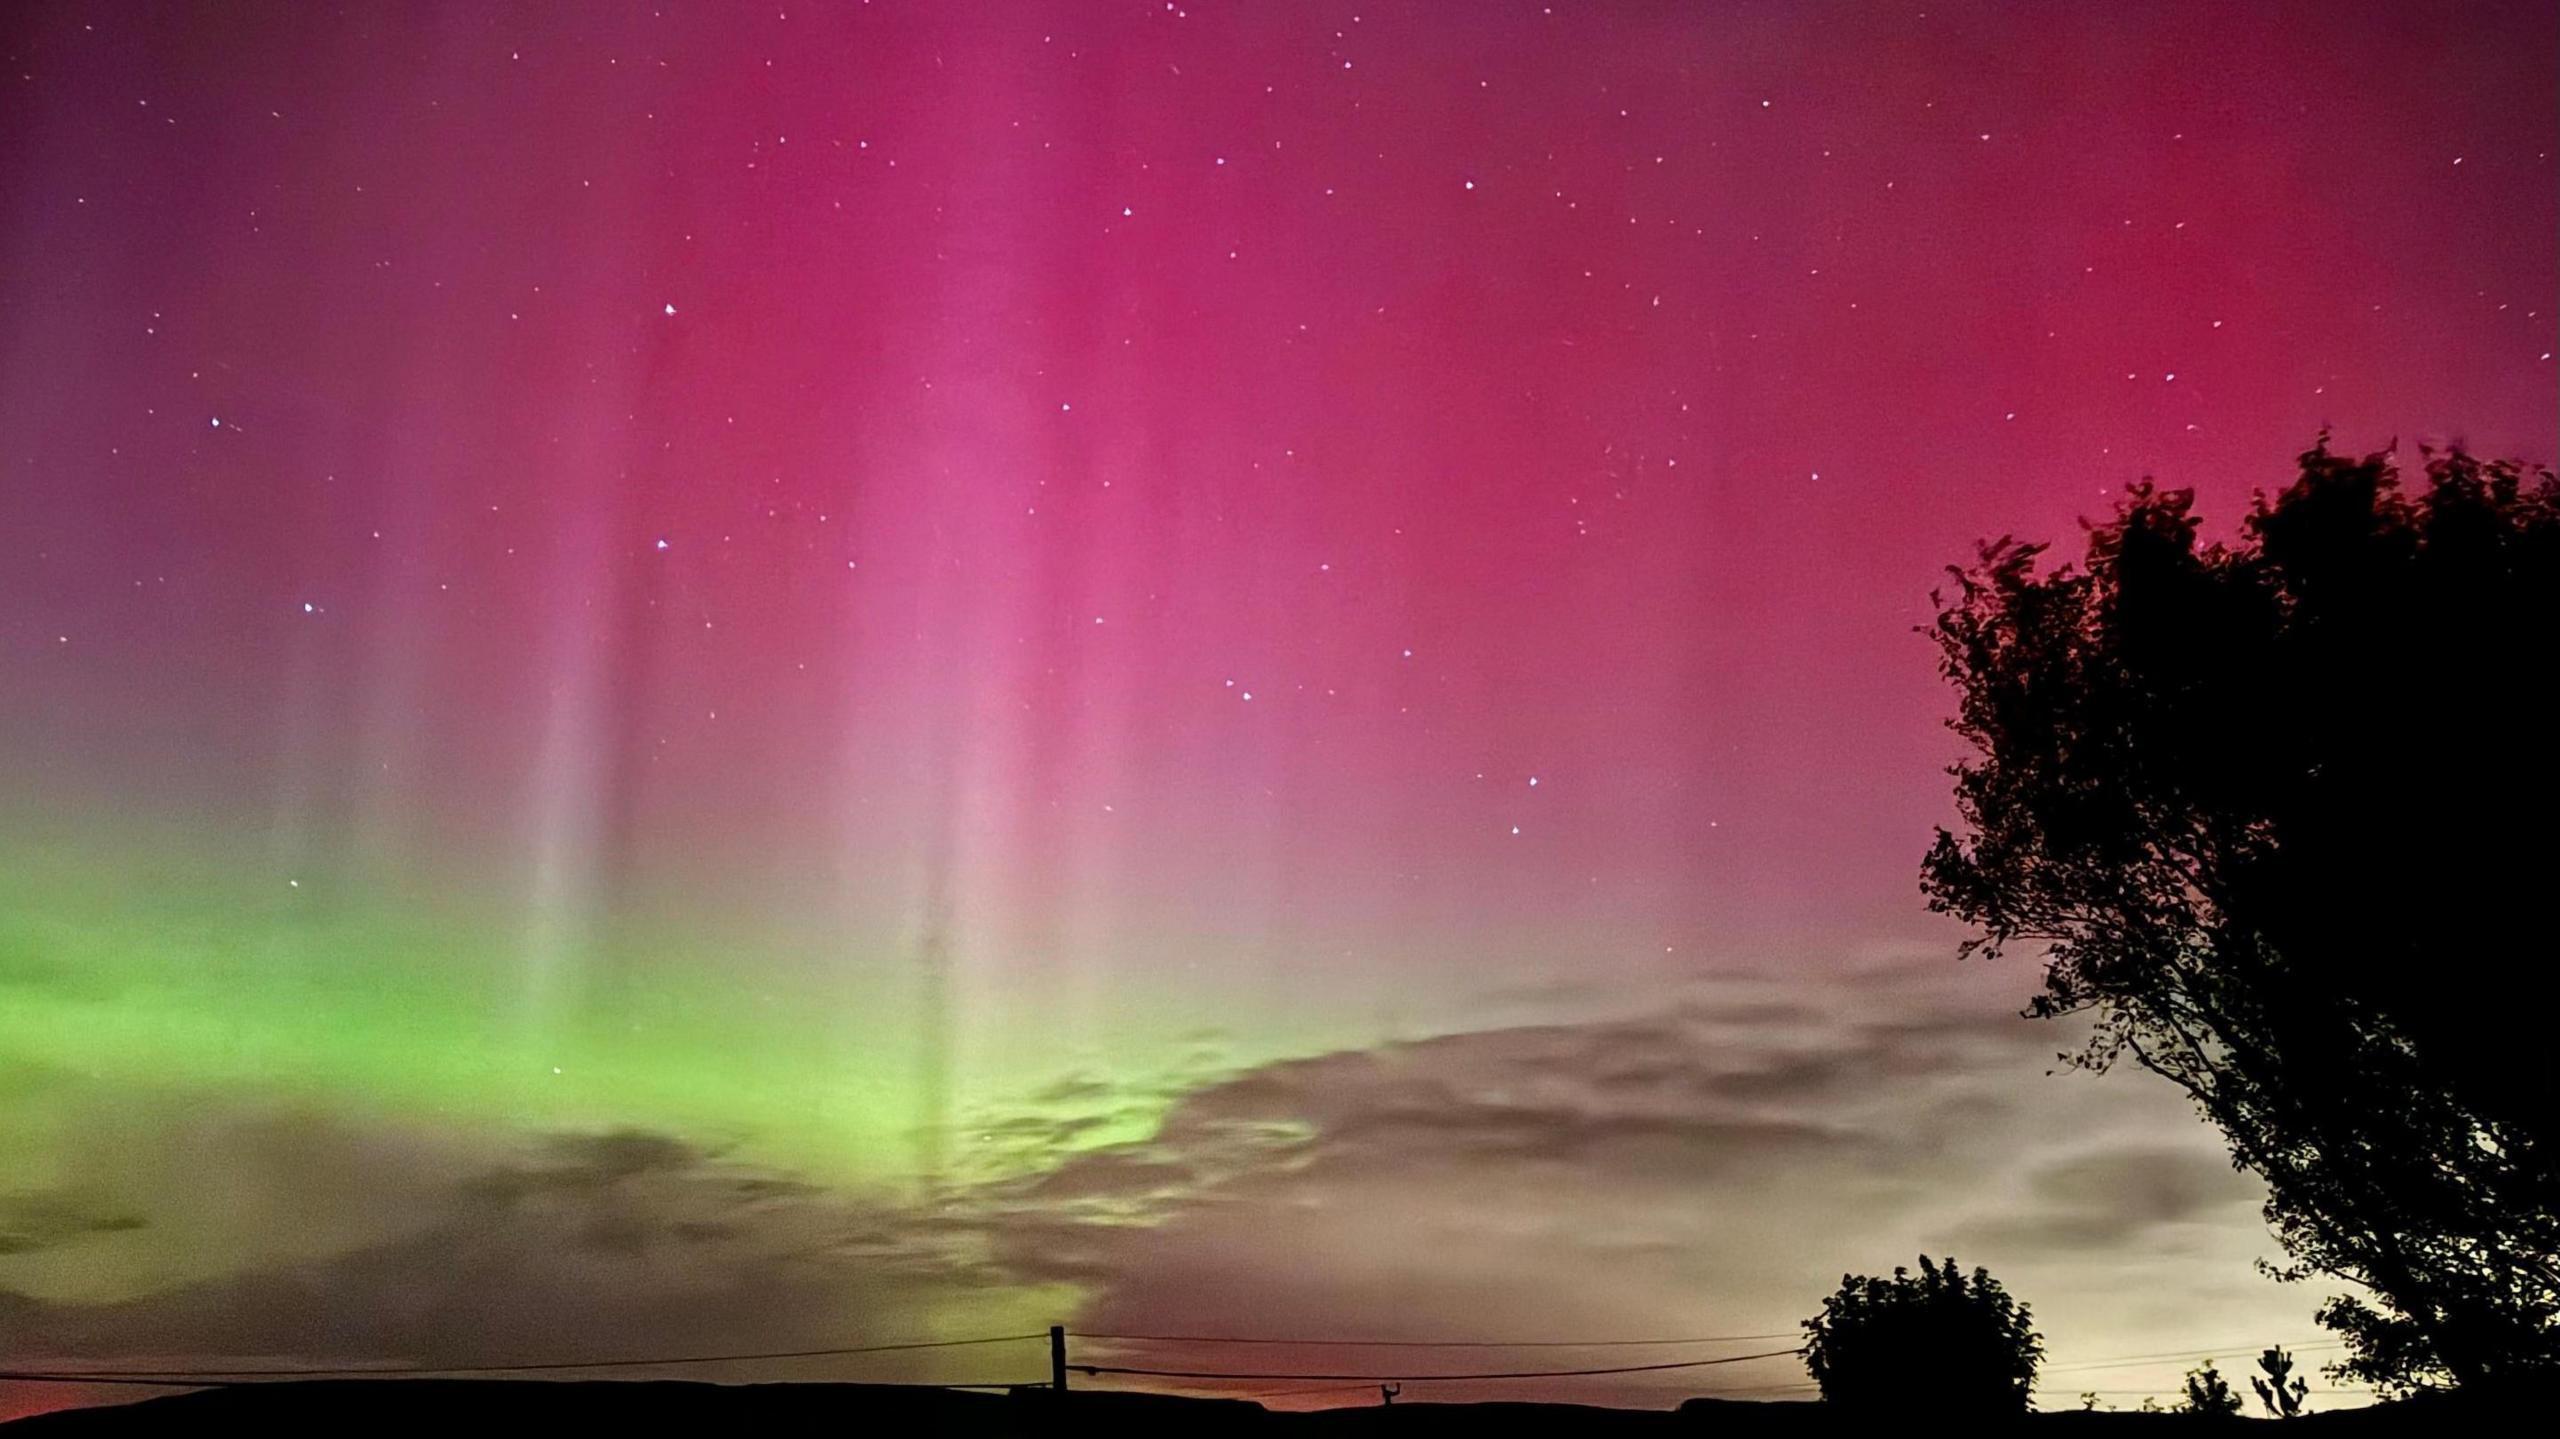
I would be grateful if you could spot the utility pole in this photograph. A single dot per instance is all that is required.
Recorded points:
(1058, 1358)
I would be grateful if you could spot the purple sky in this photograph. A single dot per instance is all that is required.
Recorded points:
(1223, 668)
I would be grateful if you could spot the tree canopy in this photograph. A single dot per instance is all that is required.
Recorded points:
(2278, 813)
(1940, 1340)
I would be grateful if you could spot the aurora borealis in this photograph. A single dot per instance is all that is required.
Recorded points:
(690, 677)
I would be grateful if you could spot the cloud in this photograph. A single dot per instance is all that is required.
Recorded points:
(1712, 1166)
(1708, 1165)
(30, 1222)
(569, 1247)
(2121, 1199)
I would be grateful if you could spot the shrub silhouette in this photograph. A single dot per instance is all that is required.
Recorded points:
(2209, 1394)
(1959, 1343)
(2279, 1390)
(2275, 813)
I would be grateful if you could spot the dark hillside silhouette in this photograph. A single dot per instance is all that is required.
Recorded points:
(2281, 810)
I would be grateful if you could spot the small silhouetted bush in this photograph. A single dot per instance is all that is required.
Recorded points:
(2280, 1390)
(2209, 1394)
(1941, 1340)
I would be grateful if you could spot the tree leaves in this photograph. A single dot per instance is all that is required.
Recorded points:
(1959, 1340)
(2276, 812)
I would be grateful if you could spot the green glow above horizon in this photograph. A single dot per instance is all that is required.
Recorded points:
(393, 1013)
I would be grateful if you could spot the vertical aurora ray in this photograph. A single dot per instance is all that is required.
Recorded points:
(566, 803)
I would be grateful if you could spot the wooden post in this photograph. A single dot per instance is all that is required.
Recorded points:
(1058, 1358)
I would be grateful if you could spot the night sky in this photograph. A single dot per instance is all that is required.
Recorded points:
(698, 677)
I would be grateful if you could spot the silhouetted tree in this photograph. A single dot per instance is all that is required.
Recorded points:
(2279, 812)
(2208, 1394)
(2278, 1390)
(1953, 1343)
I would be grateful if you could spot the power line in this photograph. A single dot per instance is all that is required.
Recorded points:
(1434, 1343)
(2341, 1389)
(1363, 1381)
(20, 1376)
(27, 1376)
(1428, 1378)
(397, 1370)
(1318, 1389)
(171, 1378)
(2173, 1356)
